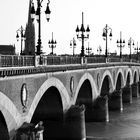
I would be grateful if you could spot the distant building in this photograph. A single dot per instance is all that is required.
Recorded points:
(7, 49)
(29, 35)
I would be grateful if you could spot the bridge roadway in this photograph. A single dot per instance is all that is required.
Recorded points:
(30, 94)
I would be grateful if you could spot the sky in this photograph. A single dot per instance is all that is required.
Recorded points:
(120, 15)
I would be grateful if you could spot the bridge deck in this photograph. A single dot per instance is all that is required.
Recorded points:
(12, 71)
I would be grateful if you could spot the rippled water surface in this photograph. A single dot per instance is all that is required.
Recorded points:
(125, 125)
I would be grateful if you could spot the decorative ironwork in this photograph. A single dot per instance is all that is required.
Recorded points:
(82, 35)
(105, 37)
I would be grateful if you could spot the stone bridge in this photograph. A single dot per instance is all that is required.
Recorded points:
(31, 94)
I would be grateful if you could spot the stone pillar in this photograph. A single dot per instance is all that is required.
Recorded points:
(127, 94)
(100, 109)
(37, 60)
(107, 60)
(115, 100)
(82, 60)
(85, 60)
(74, 125)
(135, 90)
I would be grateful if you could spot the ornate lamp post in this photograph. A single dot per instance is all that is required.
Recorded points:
(130, 44)
(88, 50)
(99, 50)
(107, 30)
(137, 49)
(52, 44)
(38, 17)
(81, 36)
(73, 44)
(22, 36)
(120, 44)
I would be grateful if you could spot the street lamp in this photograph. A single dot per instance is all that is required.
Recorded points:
(73, 44)
(130, 43)
(137, 49)
(120, 44)
(22, 36)
(105, 36)
(52, 44)
(82, 37)
(38, 18)
(88, 50)
(99, 50)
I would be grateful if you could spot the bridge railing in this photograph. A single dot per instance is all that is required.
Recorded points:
(60, 60)
(16, 61)
(117, 59)
(114, 60)
(96, 60)
(19, 61)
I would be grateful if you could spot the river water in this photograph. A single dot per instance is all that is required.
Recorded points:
(122, 125)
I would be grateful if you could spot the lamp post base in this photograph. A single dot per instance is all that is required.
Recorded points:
(83, 60)
(106, 59)
(37, 60)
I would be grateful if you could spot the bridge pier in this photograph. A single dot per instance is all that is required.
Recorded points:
(115, 101)
(74, 123)
(100, 109)
(72, 126)
(127, 94)
(135, 90)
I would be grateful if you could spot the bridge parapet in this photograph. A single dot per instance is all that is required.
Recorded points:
(16, 61)
(22, 61)
(12, 71)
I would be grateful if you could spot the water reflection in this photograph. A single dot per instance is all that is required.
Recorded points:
(125, 125)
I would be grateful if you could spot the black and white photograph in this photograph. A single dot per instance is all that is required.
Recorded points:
(69, 70)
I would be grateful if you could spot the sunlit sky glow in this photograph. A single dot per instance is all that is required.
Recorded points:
(120, 15)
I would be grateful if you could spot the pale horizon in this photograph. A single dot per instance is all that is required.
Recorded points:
(120, 15)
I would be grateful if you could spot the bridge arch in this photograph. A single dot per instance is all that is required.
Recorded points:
(9, 114)
(88, 79)
(85, 94)
(49, 107)
(107, 85)
(128, 77)
(4, 134)
(50, 84)
(119, 80)
(135, 76)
